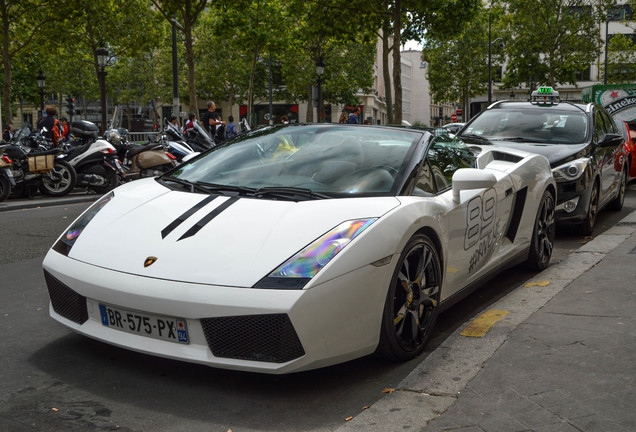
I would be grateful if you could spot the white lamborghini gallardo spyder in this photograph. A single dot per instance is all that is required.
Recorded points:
(295, 247)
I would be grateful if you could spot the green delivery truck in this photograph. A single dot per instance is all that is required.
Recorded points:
(618, 99)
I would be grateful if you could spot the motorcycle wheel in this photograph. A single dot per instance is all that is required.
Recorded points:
(60, 181)
(112, 181)
(5, 188)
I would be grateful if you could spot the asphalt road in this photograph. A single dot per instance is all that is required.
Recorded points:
(53, 379)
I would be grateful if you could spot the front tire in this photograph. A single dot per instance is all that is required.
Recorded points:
(412, 302)
(543, 234)
(60, 181)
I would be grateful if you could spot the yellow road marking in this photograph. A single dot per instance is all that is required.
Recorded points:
(541, 284)
(480, 325)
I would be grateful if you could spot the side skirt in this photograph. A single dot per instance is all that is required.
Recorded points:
(469, 289)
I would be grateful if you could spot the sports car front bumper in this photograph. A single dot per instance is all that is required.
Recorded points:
(263, 330)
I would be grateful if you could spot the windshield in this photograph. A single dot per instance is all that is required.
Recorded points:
(326, 160)
(548, 126)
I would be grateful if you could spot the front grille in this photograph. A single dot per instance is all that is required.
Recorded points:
(65, 301)
(265, 338)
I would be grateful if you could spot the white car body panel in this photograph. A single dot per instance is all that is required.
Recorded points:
(337, 315)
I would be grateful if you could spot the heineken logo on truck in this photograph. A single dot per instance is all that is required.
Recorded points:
(621, 104)
(618, 99)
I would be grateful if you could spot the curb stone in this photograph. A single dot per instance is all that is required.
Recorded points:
(436, 383)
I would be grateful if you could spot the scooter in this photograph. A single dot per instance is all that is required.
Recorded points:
(94, 160)
(32, 169)
(149, 160)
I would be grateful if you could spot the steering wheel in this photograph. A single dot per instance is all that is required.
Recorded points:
(393, 171)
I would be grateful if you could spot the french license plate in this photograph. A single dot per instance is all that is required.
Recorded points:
(159, 327)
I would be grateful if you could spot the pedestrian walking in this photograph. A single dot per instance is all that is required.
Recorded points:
(353, 117)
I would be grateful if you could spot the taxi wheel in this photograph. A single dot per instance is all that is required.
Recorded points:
(543, 234)
(617, 203)
(587, 227)
(412, 302)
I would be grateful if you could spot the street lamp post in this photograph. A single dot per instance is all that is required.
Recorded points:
(41, 83)
(102, 62)
(320, 69)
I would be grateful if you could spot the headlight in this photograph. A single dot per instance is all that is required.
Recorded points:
(571, 170)
(299, 269)
(66, 242)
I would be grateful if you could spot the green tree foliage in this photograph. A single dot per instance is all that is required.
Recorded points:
(185, 13)
(224, 63)
(25, 24)
(621, 60)
(457, 67)
(548, 41)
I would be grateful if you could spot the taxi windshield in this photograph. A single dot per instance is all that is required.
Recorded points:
(537, 125)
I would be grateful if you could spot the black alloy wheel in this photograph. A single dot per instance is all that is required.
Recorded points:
(412, 302)
(543, 234)
(587, 227)
(617, 203)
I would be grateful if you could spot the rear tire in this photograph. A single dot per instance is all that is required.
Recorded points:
(5, 188)
(412, 301)
(112, 181)
(543, 235)
(617, 203)
(60, 181)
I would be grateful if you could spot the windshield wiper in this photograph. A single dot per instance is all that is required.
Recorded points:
(191, 186)
(289, 192)
(474, 137)
(516, 139)
(214, 187)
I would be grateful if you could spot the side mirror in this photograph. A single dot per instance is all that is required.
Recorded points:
(471, 178)
(611, 140)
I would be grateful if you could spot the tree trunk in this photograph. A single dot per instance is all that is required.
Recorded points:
(397, 64)
(386, 72)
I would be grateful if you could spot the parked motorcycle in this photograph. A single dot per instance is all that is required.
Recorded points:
(176, 144)
(94, 160)
(198, 138)
(33, 169)
(6, 177)
(149, 160)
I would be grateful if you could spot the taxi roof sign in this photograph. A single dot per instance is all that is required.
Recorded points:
(545, 96)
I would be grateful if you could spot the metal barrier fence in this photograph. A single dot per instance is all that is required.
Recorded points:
(141, 137)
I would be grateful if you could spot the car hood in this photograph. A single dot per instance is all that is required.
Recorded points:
(557, 154)
(238, 242)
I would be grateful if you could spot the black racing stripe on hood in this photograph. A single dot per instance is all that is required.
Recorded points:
(178, 221)
(214, 213)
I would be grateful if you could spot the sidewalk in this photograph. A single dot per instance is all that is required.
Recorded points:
(45, 201)
(562, 360)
